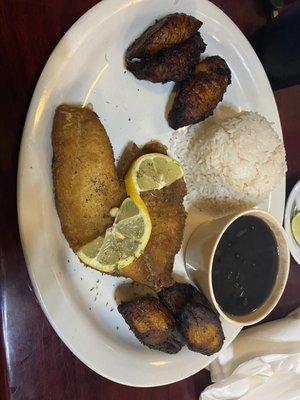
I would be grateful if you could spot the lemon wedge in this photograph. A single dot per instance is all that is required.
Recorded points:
(151, 171)
(123, 242)
(295, 225)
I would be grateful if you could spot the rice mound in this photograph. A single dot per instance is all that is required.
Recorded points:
(230, 164)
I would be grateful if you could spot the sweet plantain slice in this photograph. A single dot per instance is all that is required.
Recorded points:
(173, 64)
(213, 64)
(152, 324)
(201, 328)
(197, 96)
(165, 33)
(177, 296)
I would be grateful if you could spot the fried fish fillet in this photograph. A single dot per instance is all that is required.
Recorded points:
(201, 328)
(152, 324)
(84, 174)
(173, 64)
(165, 33)
(154, 267)
(197, 96)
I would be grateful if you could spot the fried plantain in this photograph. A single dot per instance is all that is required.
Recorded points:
(165, 33)
(201, 328)
(177, 296)
(152, 324)
(174, 64)
(197, 96)
(213, 64)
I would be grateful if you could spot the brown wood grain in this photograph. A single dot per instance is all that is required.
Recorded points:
(35, 364)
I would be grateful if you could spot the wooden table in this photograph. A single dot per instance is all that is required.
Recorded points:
(35, 364)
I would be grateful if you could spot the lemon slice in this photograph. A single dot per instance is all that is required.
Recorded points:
(151, 171)
(124, 241)
(296, 227)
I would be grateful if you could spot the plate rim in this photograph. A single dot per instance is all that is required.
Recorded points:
(287, 222)
(22, 153)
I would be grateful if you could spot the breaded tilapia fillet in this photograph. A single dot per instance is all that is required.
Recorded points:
(154, 267)
(84, 175)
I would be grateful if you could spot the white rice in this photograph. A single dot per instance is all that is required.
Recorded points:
(231, 163)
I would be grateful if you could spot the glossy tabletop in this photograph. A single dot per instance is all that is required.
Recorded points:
(34, 363)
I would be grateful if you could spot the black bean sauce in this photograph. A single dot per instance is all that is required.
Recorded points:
(245, 266)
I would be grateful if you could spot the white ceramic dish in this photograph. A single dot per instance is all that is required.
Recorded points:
(292, 207)
(200, 254)
(87, 67)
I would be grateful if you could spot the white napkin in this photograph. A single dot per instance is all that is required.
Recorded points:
(263, 362)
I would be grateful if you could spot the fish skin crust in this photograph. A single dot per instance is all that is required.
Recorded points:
(165, 33)
(197, 96)
(154, 267)
(174, 64)
(84, 175)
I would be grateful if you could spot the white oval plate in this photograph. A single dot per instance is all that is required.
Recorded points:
(87, 67)
(292, 208)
